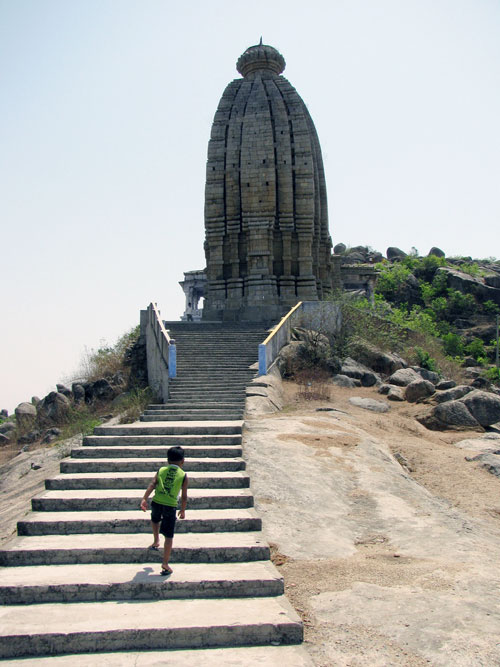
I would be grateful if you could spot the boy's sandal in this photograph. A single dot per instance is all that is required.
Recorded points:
(153, 547)
(165, 572)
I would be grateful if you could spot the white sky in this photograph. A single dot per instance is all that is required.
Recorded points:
(105, 114)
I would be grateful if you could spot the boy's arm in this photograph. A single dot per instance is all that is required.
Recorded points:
(149, 491)
(184, 497)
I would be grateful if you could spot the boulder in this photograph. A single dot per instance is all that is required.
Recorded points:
(345, 381)
(29, 438)
(358, 371)
(395, 393)
(384, 389)
(100, 390)
(483, 406)
(353, 258)
(452, 394)
(339, 248)
(288, 357)
(78, 391)
(480, 383)
(7, 427)
(419, 389)
(370, 404)
(395, 254)
(25, 416)
(4, 439)
(264, 395)
(425, 373)
(35, 400)
(452, 415)
(53, 409)
(50, 435)
(493, 280)
(437, 252)
(403, 377)
(62, 389)
(445, 384)
(376, 359)
(4, 414)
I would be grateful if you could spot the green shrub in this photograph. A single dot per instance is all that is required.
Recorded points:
(424, 360)
(453, 345)
(133, 404)
(493, 374)
(476, 349)
(491, 308)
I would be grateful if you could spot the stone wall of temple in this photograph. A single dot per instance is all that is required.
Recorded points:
(267, 241)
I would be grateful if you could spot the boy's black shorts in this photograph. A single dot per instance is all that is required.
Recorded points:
(166, 515)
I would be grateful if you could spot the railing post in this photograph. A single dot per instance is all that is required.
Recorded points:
(172, 360)
(262, 359)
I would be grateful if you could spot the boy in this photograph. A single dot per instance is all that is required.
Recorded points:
(166, 484)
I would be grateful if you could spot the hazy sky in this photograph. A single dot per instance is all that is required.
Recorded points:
(105, 114)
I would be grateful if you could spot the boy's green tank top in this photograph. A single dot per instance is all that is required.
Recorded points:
(168, 485)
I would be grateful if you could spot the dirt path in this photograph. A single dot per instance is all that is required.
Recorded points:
(387, 566)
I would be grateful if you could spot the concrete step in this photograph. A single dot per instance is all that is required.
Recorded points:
(138, 581)
(119, 500)
(225, 547)
(160, 428)
(140, 480)
(245, 656)
(171, 410)
(210, 395)
(166, 440)
(146, 451)
(197, 521)
(150, 466)
(189, 416)
(177, 405)
(29, 630)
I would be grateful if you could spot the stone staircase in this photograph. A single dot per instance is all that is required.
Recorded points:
(79, 577)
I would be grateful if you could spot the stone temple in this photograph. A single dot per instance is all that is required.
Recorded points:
(267, 242)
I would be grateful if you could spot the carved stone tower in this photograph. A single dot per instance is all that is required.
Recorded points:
(267, 241)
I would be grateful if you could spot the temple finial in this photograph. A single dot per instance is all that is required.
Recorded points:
(260, 43)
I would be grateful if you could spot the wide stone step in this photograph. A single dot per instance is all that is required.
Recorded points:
(140, 480)
(188, 394)
(161, 428)
(94, 500)
(146, 451)
(156, 440)
(141, 581)
(148, 465)
(161, 624)
(77, 548)
(197, 521)
(245, 656)
(172, 410)
(236, 403)
(189, 416)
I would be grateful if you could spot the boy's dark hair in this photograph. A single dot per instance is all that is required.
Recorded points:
(175, 454)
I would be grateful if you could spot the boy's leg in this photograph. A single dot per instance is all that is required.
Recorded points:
(156, 512)
(156, 534)
(167, 549)
(167, 529)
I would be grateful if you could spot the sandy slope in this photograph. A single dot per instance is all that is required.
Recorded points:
(386, 566)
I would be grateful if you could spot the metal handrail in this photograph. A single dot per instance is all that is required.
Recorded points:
(281, 323)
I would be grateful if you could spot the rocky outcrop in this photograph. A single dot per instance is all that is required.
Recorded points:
(353, 369)
(403, 377)
(467, 284)
(452, 394)
(53, 409)
(483, 406)
(395, 254)
(452, 415)
(264, 395)
(418, 389)
(370, 404)
(25, 416)
(375, 358)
